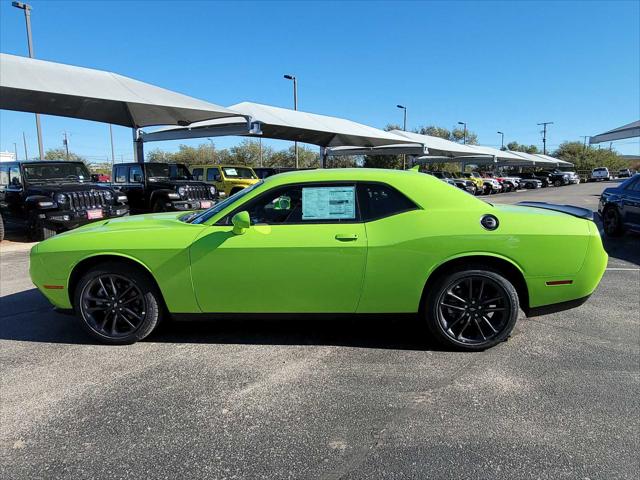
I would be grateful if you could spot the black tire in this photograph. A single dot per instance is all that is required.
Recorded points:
(159, 206)
(37, 231)
(1, 229)
(113, 319)
(557, 183)
(492, 319)
(612, 222)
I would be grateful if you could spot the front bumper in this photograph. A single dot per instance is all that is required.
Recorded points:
(187, 205)
(69, 219)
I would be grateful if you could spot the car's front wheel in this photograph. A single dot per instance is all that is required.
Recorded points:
(117, 303)
(471, 309)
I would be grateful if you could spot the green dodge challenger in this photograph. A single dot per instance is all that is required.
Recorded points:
(342, 241)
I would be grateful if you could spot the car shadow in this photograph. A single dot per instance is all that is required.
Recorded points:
(27, 316)
(625, 247)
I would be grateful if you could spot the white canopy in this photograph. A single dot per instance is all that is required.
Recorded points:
(630, 130)
(557, 161)
(38, 86)
(286, 124)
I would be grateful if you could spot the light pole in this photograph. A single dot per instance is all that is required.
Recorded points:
(295, 106)
(464, 132)
(544, 136)
(15, 149)
(404, 128)
(27, 17)
(501, 141)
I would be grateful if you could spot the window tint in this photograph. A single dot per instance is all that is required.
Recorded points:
(211, 174)
(299, 204)
(121, 175)
(197, 173)
(379, 200)
(135, 174)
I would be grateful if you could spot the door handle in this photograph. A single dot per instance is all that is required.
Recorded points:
(346, 237)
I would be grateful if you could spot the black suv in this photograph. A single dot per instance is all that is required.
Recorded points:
(53, 196)
(542, 176)
(161, 187)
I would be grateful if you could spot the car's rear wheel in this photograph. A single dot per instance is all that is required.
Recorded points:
(472, 309)
(612, 222)
(159, 206)
(117, 303)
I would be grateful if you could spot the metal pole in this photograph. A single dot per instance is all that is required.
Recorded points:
(544, 136)
(295, 107)
(501, 141)
(66, 144)
(138, 147)
(15, 148)
(24, 140)
(113, 155)
(27, 17)
(260, 143)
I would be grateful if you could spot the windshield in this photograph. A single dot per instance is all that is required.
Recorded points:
(218, 207)
(238, 172)
(168, 171)
(69, 172)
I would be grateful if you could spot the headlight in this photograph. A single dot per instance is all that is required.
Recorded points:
(60, 198)
(212, 189)
(108, 195)
(182, 191)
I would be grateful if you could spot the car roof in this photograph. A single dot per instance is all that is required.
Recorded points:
(48, 162)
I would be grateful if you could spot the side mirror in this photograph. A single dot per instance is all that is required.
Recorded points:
(137, 178)
(241, 222)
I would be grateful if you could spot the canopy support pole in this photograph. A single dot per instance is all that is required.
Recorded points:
(138, 146)
(323, 157)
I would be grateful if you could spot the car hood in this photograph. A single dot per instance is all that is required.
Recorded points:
(51, 188)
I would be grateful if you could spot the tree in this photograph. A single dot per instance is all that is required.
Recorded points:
(384, 161)
(455, 135)
(516, 147)
(61, 154)
(588, 157)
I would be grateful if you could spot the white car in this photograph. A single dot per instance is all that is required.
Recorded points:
(600, 173)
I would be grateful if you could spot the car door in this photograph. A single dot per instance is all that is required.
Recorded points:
(215, 177)
(630, 204)
(304, 252)
(135, 187)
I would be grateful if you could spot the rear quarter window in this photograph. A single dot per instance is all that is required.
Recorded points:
(378, 200)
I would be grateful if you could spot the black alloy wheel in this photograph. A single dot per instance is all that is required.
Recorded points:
(473, 309)
(611, 222)
(117, 304)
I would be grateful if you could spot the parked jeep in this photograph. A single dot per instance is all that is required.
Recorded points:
(542, 176)
(558, 178)
(461, 183)
(161, 187)
(228, 179)
(50, 197)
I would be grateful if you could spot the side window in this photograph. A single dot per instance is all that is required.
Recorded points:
(211, 174)
(197, 173)
(121, 175)
(14, 175)
(634, 186)
(300, 204)
(135, 174)
(4, 175)
(379, 200)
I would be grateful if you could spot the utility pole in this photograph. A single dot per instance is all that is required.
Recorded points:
(24, 140)
(584, 145)
(113, 156)
(502, 141)
(544, 136)
(15, 149)
(27, 17)
(65, 142)
(295, 107)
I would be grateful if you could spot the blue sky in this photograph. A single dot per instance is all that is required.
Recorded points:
(496, 65)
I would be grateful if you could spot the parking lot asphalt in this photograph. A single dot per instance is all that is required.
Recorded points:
(325, 399)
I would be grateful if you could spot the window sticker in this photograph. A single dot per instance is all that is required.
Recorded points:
(231, 172)
(329, 203)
